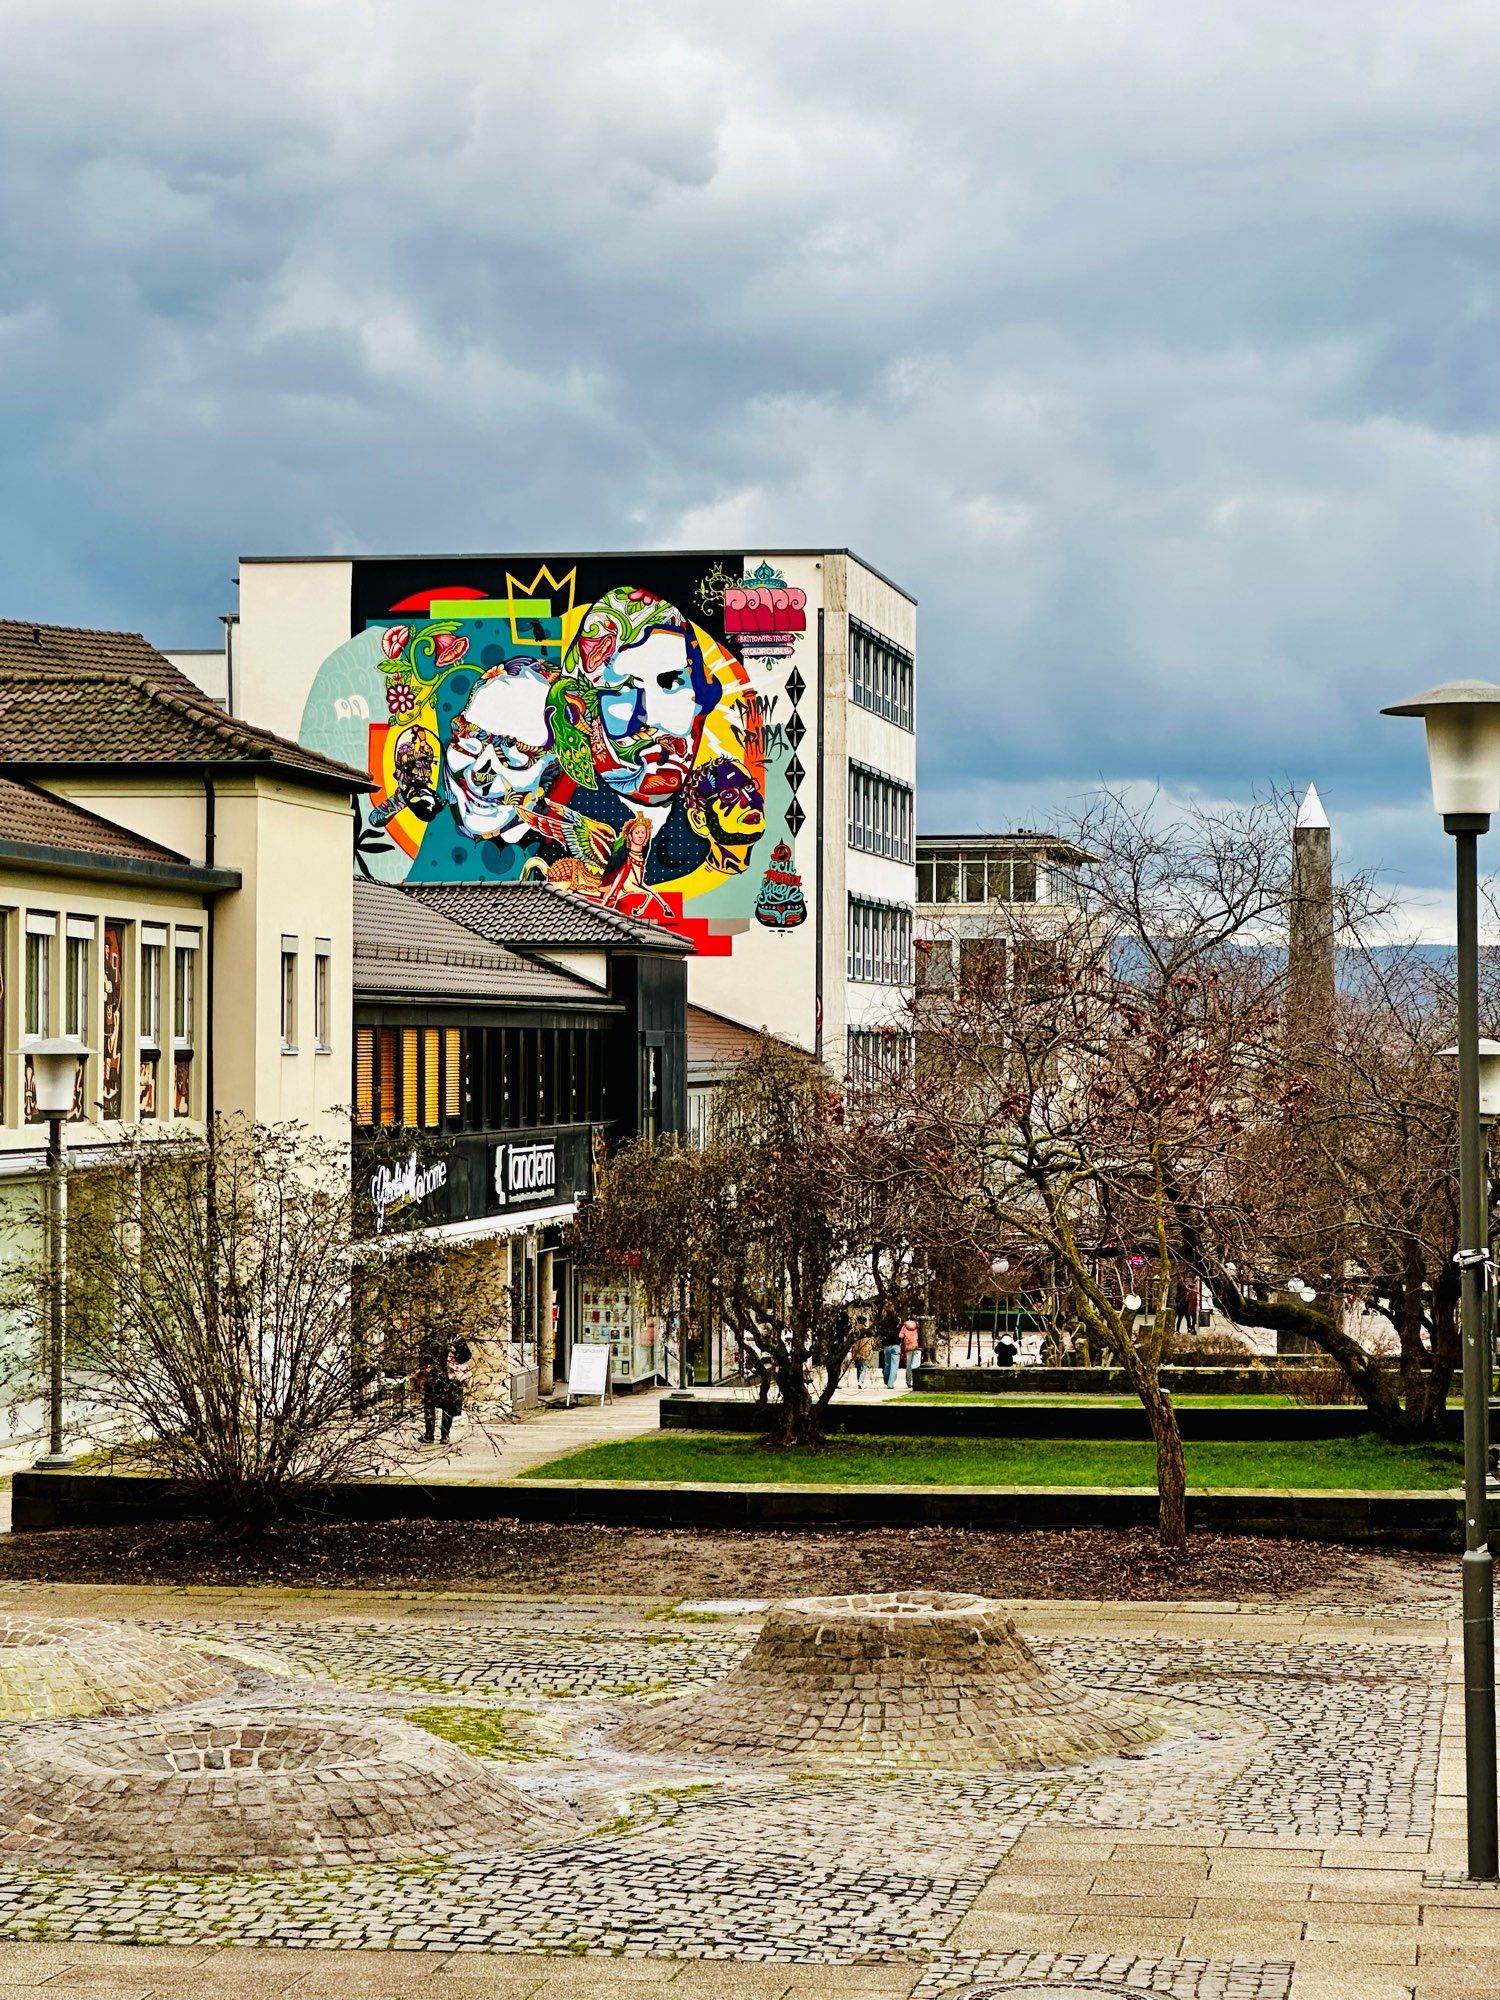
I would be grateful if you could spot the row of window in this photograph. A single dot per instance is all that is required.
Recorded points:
(988, 965)
(881, 676)
(879, 948)
(882, 814)
(876, 1056)
(478, 1079)
(79, 976)
(322, 996)
(992, 878)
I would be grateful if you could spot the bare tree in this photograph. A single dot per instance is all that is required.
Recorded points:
(755, 1228)
(211, 1325)
(1083, 1090)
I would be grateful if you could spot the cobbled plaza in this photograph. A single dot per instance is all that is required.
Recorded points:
(1284, 1829)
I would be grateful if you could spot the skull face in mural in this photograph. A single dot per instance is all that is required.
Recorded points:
(498, 756)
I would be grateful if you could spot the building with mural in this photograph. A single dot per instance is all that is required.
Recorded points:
(719, 743)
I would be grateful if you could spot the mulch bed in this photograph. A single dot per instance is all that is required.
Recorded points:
(579, 1561)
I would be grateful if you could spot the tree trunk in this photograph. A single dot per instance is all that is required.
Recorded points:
(1372, 1383)
(1171, 1466)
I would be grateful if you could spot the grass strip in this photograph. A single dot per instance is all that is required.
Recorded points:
(1364, 1464)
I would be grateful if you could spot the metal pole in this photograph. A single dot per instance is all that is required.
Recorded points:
(1478, 1562)
(57, 1268)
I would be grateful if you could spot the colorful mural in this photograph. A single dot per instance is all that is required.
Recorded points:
(563, 722)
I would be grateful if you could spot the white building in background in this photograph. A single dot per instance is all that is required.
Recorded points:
(722, 741)
(979, 892)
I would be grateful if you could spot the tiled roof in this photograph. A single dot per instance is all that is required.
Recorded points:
(72, 697)
(714, 1038)
(30, 815)
(400, 948)
(532, 915)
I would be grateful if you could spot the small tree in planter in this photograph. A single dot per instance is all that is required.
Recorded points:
(755, 1229)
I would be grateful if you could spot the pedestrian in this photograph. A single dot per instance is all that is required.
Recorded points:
(911, 1350)
(1005, 1349)
(890, 1352)
(444, 1380)
(862, 1354)
(1187, 1305)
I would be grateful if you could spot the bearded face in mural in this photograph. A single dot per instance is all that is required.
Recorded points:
(498, 757)
(643, 666)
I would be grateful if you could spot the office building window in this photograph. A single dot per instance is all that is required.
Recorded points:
(364, 1076)
(881, 676)
(876, 1056)
(990, 878)
(289, 995)
(323, 997)
(880, 814)
(879, 943)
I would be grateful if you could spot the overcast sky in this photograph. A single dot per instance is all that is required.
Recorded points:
(1150, 343)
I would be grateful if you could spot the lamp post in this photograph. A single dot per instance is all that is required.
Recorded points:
(1463, 755)
(54, 1083)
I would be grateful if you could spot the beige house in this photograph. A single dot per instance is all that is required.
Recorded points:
(175, 890)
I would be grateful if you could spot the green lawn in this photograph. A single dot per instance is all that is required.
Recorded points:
(1363, 1463)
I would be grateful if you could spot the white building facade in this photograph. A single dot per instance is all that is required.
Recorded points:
(722, 742)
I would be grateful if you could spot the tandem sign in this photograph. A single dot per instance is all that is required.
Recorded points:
(525, 1173)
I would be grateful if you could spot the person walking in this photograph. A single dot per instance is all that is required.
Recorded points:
(890, 1353)
(444, 1380)
(911, 1350)
(862, 1354)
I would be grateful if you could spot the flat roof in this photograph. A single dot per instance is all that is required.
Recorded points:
(582, 555)
(1055, 843)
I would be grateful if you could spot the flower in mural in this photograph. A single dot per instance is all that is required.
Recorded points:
(400, 697)
(448, 649)
(393, 641)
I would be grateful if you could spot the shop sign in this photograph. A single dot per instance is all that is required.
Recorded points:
(410, 1183)
(525, 1174)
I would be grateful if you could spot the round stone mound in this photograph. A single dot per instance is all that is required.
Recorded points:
(285, 1790)
(938, 1679)
(93, 1666)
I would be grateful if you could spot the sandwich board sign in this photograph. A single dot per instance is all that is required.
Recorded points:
(588, 1369)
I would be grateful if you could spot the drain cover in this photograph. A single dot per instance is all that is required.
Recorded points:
(1049, 1990)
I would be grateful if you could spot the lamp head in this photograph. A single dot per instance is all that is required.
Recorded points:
(1132, 1302)
(1463, 745)
(54, 1072)
(1489, 1076)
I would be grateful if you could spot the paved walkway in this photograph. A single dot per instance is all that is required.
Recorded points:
(1296, 1835)
(483, 1447)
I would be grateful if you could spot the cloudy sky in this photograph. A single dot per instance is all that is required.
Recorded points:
(1151, 343)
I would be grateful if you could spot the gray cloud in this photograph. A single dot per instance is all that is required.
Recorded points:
(1150, 343)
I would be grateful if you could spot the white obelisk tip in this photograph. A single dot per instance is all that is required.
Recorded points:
(1310, 812)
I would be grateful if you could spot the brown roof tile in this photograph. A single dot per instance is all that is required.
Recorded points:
(533, 915)
(71, 697)
(401, 947)
(30, 815)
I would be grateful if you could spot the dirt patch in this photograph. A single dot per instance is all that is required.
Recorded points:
(579, 1561)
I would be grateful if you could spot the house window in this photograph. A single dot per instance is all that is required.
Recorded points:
(76, 986)
(364, 1076)
(184, 1020)
(388, 1047)
(323, 996)
(153, 955)
(39, 935)
(289, 996)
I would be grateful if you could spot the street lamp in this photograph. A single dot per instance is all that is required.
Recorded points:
(1463, 755)
(54, 1065)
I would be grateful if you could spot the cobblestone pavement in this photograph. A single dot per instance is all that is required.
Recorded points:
(1290, 1836)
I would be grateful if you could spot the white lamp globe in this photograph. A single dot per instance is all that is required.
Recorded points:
(1463, 744)
(54, 1072)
